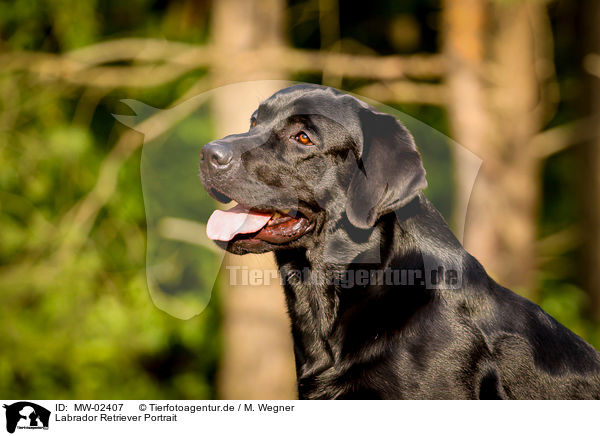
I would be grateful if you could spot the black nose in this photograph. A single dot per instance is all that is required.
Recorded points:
(217, 155)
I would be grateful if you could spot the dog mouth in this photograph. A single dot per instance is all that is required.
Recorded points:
(277, 226)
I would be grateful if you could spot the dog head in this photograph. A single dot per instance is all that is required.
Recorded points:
(312, 157)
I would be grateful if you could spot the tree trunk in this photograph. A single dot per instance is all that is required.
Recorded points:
(257, 360)
(495, 111)
(464, 25)
(590, 165)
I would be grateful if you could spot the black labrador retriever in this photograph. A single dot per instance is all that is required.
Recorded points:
(384, 301)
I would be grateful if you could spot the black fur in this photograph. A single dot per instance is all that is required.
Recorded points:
(460, 337)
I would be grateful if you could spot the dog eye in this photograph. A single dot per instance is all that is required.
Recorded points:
(252, 122)
(303, 138)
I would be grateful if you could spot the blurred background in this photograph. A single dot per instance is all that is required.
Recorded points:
(517, 82)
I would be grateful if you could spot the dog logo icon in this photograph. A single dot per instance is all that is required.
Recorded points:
(26, 415)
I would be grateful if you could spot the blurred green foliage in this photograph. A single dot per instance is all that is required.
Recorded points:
(80, 322)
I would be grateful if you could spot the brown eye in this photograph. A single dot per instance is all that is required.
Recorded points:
(253, 122)
(303, 138)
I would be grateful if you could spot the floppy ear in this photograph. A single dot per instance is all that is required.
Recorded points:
(392, 173)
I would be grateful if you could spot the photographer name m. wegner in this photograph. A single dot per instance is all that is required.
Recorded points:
(432, 277)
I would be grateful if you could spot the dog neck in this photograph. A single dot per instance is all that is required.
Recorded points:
(322, 286)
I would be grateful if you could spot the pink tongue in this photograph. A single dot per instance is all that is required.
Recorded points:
(223, 225)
